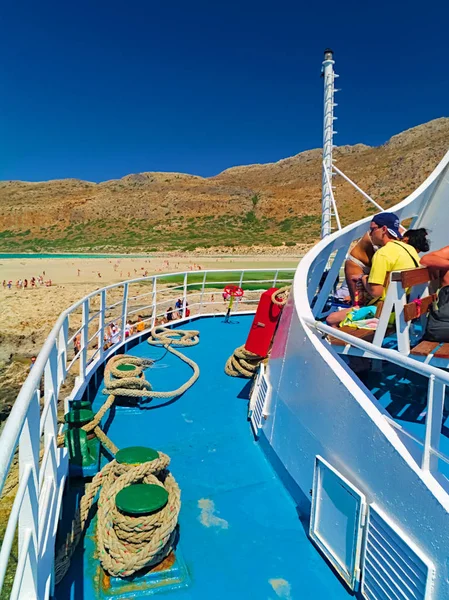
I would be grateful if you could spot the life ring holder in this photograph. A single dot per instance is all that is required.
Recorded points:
(231, 291)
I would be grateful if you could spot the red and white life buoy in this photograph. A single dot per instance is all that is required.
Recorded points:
(234, 291)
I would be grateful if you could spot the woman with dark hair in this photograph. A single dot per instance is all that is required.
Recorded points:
(418, 239)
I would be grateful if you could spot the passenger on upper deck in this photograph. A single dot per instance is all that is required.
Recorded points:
(438, 263)
(417, 238)
(358, 260)
(358, 263)
(392, 255)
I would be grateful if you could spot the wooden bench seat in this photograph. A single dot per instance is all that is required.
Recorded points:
(424, 348)
(366, 335)
(443, 351)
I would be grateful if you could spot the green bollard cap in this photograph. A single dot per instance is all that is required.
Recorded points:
(126, 367)
(136, 455)
(79, 417)
(141, 498)
(80, 404)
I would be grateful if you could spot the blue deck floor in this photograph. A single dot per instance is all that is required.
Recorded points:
(240, 534)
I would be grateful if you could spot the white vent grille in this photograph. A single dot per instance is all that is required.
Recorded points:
(393, 568)
(259, 400)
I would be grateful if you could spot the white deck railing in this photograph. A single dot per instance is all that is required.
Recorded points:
(438, 380)
(425, 208)
(32, 426)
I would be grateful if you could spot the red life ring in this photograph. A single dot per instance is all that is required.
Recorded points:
(233, 290)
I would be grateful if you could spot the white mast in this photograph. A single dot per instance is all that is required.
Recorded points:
(328, 142)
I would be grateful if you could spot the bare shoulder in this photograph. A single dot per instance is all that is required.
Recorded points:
(442, 252)
(363, 249)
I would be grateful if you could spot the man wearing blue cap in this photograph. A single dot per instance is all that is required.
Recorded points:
(393, 255)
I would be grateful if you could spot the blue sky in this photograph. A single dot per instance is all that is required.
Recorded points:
(96, 90)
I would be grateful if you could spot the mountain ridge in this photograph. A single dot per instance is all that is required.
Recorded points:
(260, 204)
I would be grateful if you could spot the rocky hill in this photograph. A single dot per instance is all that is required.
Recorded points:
(269, 204)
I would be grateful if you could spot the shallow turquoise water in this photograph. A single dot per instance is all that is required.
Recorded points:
(31, 255)
(240, 533)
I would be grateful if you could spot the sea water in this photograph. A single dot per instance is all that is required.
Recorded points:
(31, 255)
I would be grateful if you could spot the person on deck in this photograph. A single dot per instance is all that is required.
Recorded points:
(358, 260)
(393, 255)
(438, 264)
(417, 238)
(358, 263)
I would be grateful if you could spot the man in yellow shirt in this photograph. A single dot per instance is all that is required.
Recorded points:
(393, 255)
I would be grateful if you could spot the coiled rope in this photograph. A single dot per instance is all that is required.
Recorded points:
(125, 543)
(243, 363)
(119, 383)
(280, 296)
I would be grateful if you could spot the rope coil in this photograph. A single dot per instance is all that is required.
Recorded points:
(280, 296)
(119, 383)
(126, 543)
(243, 363)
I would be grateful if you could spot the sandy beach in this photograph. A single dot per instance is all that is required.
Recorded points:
(103, 271)
(27, 315)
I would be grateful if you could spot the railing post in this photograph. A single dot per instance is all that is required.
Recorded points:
(241, 279)
(62, 352)
(435, 402)
(124, 310)
(402, 327)
(84, 338)
(329, 281)
(202, 291)
(101, 323)
(388, 306)
(50, 395)
(184, 297)
(29, 511)
(276, 275)
(153, 316)
(48, 472)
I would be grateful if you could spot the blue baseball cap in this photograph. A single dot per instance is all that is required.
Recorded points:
(390, 221)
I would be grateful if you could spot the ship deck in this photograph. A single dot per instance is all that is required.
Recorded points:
(240, 532)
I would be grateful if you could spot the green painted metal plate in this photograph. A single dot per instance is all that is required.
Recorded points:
(80, 448)
(126, 367)
(136, 455)
(78, 417)
(141, 498)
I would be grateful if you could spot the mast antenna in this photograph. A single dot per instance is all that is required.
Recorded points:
(327, 198)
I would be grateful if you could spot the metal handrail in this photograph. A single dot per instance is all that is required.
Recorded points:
(388, 354)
